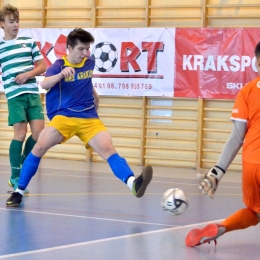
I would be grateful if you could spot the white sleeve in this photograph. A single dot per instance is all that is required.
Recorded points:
(233, 144)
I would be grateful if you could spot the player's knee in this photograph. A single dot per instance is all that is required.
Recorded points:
(20, 135)
(35, 135)
(111, 149)
(108, 151)
(39, 150)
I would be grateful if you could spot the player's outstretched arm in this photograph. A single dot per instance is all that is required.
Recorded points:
(209, 181)
(49, 82)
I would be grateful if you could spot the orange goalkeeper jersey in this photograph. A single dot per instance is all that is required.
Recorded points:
(247, 109)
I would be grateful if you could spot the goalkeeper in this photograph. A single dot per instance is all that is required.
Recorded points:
(246, 132)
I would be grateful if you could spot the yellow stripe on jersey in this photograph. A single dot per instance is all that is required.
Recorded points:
(68, 64)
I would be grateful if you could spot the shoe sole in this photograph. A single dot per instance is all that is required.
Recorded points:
(147, 175)
(12, 205)
(25, 191)
(197, 236)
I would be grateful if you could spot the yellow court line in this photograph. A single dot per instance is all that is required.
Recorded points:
(164, 182)
(58, 173)
(114, 193)
(93, 172)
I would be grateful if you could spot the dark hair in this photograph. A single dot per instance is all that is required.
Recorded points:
(79, 35)
(9, 10)
(257, 50)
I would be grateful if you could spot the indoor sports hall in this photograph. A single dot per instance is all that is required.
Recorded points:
(172, 113)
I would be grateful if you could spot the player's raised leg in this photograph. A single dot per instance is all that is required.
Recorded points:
(102, 144)
(48, 138)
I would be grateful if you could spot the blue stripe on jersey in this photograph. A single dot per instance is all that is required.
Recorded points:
(72, 97)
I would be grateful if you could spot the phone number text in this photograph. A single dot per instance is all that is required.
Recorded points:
(123, 85)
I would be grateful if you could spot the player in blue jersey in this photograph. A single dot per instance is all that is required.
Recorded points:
(70, 103)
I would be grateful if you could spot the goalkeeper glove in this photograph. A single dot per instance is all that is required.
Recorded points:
(209, 181)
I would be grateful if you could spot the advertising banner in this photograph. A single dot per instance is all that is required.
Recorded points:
(134, 61)
(190, 63)
(214, 63)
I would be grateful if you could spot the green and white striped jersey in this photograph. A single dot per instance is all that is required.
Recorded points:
(18, 56)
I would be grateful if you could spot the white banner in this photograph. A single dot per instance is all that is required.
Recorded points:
(134, 62)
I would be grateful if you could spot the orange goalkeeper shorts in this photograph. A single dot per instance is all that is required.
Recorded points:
(251, 185)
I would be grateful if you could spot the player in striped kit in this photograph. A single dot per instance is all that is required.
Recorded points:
(18, 57)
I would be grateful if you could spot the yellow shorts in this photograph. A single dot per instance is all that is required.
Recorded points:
(251, 185)
(84, 128)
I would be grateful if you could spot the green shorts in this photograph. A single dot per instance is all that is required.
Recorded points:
(24, 108)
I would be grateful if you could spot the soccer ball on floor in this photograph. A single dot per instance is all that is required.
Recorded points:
(174, 201)
(105, 55)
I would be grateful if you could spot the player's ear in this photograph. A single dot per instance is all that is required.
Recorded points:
(258, 61)
(69, 48)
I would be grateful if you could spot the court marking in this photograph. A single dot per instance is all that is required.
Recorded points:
(105, 240)
(110, 193)
(153, 181)
(112, 178)
(156, 176)
(86, 217)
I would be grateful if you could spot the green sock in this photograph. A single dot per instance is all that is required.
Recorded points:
(29, 144)
(15, 151)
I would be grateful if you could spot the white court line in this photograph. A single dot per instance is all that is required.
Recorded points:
(85, 217)
(104, 240)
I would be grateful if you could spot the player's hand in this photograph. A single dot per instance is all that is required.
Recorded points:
(21, 78)
(209, 181)
(67, 72)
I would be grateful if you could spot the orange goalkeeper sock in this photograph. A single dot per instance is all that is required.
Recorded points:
(243, 218)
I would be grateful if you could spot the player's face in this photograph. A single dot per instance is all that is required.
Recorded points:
(79, 52)
(257, 64)
(11, 27)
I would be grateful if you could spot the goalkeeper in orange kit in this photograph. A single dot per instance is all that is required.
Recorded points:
(246, 133)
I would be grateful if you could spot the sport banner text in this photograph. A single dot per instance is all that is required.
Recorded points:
(206, 63)
(134, 62)
(214, 63)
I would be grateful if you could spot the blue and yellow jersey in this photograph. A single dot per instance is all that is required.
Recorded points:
(73, 96)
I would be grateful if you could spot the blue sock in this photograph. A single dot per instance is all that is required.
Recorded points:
(29, 169)
(120, 167)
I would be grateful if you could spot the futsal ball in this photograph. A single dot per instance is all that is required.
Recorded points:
(105, 55)
(174, 201)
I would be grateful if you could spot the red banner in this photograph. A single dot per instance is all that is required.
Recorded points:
(214, 63)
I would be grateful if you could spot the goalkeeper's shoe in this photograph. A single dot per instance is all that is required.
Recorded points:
(13, 183)
(15, 199)
(198, 236)
(140, 183)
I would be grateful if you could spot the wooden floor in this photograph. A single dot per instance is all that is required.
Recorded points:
(78, 210)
